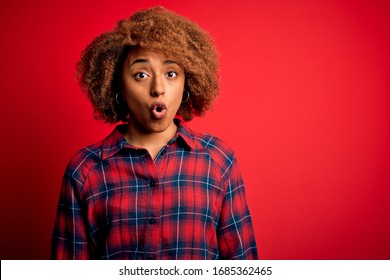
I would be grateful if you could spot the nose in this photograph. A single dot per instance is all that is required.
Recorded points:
(157, 88)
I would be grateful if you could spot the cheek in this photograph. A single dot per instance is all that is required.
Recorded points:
(179, 87)
(135, 99)
(178, 95)
(133, 91)
(134, 103)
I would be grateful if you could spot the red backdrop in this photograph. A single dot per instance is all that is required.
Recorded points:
(304, 103)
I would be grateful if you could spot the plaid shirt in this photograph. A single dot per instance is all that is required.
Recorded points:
(188, 203)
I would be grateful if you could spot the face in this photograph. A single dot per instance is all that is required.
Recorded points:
(153, 87)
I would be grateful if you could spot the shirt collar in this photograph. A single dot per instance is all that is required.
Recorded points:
(184, 133)
(116, 141)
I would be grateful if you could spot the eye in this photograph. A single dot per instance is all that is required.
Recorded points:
(140, 75)
(171, 74)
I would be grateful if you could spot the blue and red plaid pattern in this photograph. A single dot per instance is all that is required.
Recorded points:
(188, 203)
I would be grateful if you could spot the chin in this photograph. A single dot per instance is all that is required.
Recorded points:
(158, 126)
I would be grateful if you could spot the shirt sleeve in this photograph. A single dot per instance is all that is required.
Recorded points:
(69, 239)
(236, 239)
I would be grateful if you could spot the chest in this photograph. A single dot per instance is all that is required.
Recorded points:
(134, 187)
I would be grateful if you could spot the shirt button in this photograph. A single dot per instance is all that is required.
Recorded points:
(152, 221)
(152, 184)
(163, 152)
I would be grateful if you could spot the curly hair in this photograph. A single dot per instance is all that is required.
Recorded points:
(100, 66)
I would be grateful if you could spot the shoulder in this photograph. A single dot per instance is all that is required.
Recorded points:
(219, 150)
(83, 161)
(221, 153)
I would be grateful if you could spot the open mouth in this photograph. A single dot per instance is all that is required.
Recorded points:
(158, 110)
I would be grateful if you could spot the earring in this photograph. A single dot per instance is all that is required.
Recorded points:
(188, 96)
(116, 98)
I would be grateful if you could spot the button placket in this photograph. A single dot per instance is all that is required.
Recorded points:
(152, 231)
(161, 154)
(152, 221)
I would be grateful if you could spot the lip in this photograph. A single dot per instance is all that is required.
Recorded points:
(158, 110)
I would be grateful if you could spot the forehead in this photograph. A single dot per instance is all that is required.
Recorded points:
(147, 53)
(150, 56)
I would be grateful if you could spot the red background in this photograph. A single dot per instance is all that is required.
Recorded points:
(304, 103)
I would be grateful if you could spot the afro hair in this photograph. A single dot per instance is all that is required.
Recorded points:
(100, 66)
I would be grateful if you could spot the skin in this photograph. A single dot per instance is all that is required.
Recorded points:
(149, 77)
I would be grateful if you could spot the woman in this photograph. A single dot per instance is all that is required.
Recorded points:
(153, 188)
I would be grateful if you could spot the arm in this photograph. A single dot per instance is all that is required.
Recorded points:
(236, 239)
(69, 235)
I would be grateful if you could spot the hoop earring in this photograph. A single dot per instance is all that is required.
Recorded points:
(188, 96)
(116, 98)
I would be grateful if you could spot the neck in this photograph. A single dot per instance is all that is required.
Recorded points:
(152, 141)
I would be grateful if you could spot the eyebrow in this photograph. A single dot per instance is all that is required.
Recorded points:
(142, 60)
